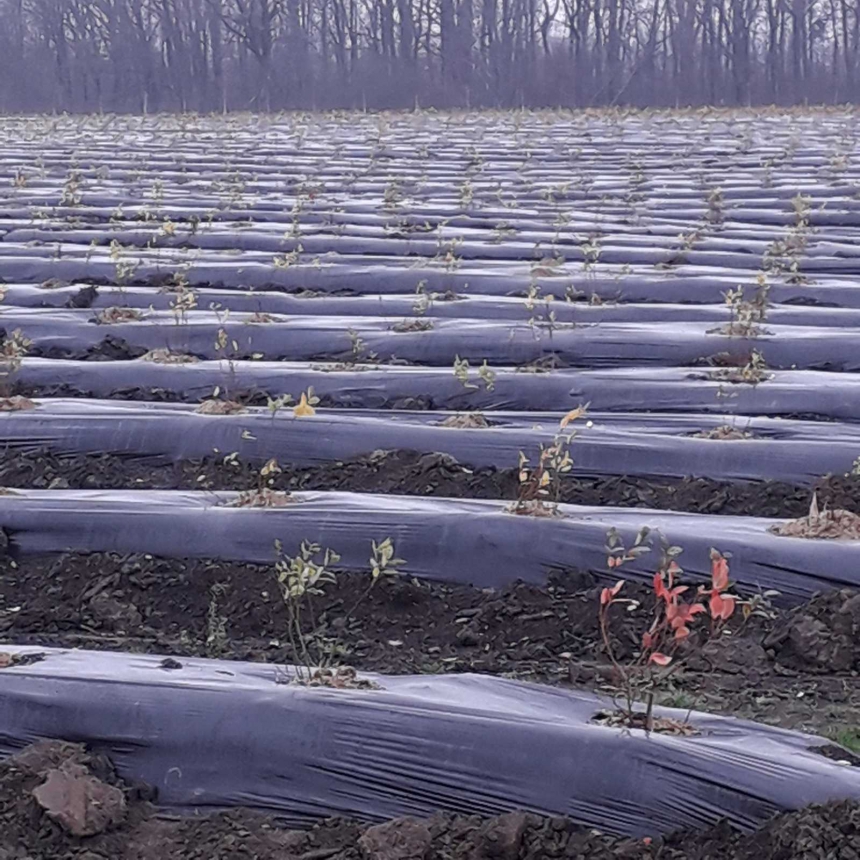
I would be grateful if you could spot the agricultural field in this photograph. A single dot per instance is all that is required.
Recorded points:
(478, 485)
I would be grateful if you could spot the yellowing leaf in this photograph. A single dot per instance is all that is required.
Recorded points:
(271, 468)
(303, 409)
(572, 416)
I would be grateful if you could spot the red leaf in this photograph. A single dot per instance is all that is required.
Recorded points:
(681, 614)
(660, 659)
(681, 632)
(608, 593)
(722, 606)
(659, 587)
(647, 640)
(719, 571)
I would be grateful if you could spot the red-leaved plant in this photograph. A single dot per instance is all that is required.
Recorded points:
(668, 641)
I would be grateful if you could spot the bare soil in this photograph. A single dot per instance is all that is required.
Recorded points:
(414, 473)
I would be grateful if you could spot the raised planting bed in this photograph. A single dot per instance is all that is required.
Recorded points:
(408, 746)
(482, 543)
(417, 306)
(719, 390)
(78, 334)
(646, 446)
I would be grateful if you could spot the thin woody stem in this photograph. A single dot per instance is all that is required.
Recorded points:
(622, 672)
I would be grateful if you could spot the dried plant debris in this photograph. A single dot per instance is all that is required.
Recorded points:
(8, 659)
(724, 432)
(109, 316)
(165, 356)
(53, 284)
(16, 403)
(412, 325)
(265, 498)
(534, 508)
(659, 725)
(466, 421)
(339, 678)
(220, 407)
(544, 364)
(837, 524)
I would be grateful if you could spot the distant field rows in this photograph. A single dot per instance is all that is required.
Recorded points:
(690, 276)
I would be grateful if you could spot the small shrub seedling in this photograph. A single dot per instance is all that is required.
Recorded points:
(462, 368)
(275, 404)
(746, 316)
(674, 633)
(227, 348)
(216, 623)
(754, 371)
(358, 348)
(302, 578)
(264, 496)
(539, 490)
(182, 301)
(716, 207)
(284, 261)
(12, 352)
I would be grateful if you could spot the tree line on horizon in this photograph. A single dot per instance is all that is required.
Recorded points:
(213, 55)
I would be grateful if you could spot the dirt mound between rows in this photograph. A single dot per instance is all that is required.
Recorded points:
(58, 801)
(823, 635)
(413, 473)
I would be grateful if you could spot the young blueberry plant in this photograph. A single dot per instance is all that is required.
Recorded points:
(182, 301)
(12, 351)
(675, 632)
(746, 316)
(302, 579)
(539, 490)
(264, 496)
(462, 369)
